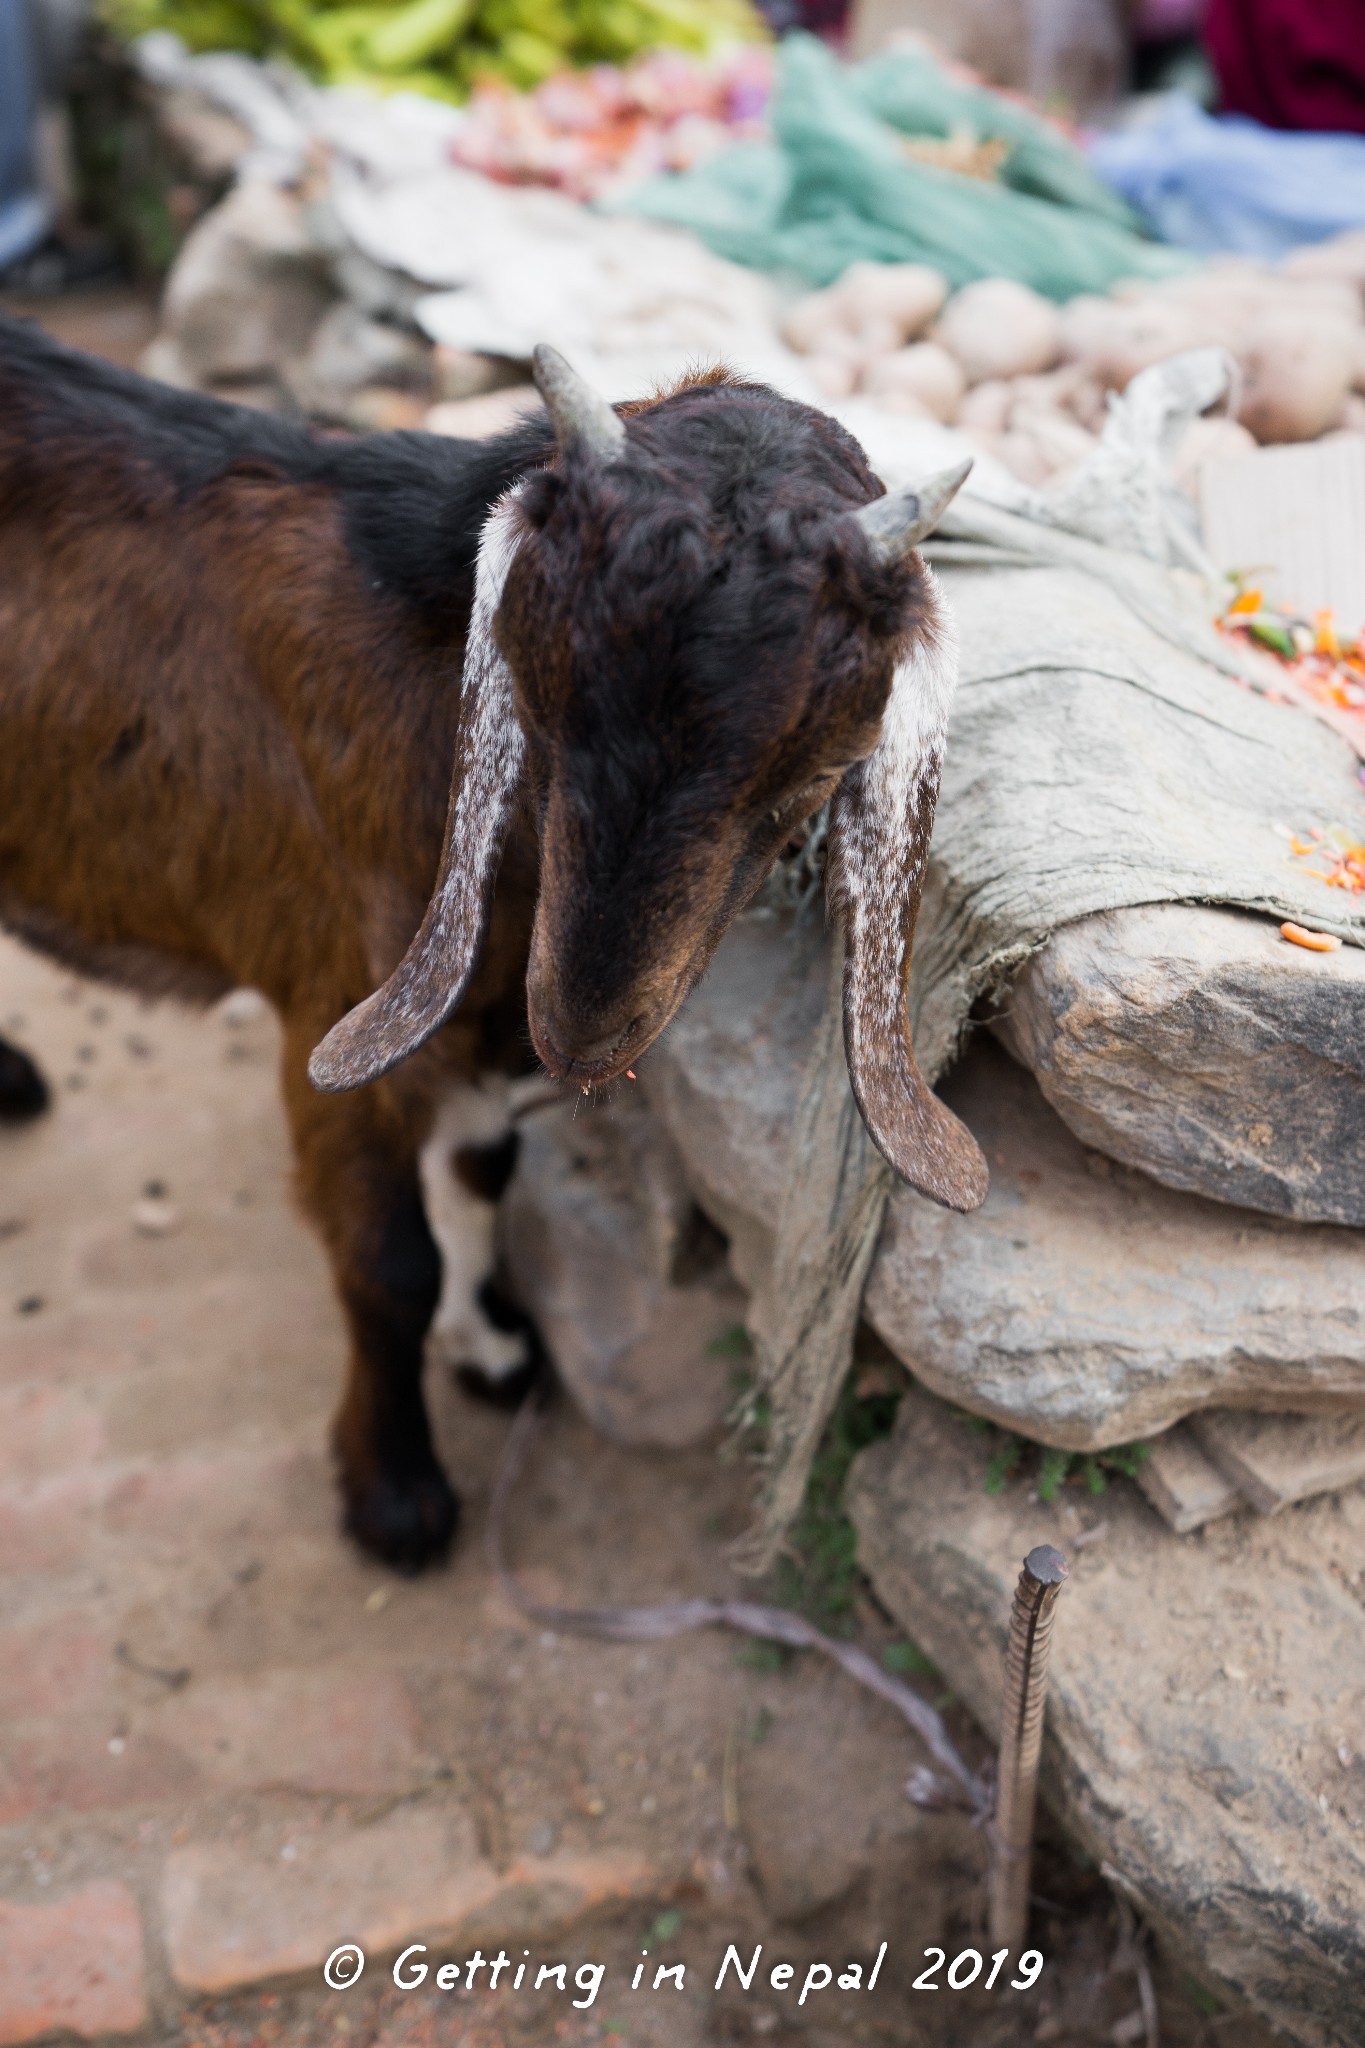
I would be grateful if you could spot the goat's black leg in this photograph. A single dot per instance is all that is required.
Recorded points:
(398, 1502)
(358, 1177)
(23, 1091)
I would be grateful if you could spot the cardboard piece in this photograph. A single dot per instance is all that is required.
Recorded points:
(1294, 519)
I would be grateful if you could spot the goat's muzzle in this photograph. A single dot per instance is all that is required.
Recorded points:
(585, 1050)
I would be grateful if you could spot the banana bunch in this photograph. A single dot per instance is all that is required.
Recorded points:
(444, 48)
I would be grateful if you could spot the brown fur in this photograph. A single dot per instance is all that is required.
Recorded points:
(224, 761)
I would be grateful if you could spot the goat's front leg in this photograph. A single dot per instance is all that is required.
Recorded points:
(358, 1178)
(466, 1164)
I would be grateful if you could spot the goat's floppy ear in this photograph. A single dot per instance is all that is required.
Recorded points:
(584, 423)
(432, 976)
(880, 822)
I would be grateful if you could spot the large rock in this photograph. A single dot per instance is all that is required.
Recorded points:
(1199, 1045)
(726, 1074)
(1084, 1305)
(1206, 1705)
(627, 1281)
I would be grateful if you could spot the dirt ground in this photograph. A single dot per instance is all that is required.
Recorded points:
(212, 1708)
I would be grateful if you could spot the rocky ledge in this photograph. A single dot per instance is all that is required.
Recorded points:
(1085, 1304)
(1206, 1709)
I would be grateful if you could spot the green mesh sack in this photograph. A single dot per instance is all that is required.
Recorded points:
(836, 184)
(916, 94)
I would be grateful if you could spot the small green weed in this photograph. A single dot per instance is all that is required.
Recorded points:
(1201, 1998)
(908, 1660)
(759, 1656)
(666, 1928)
(733, 1341)
(760, 1726)
(1054, 1468)
(817, 1573)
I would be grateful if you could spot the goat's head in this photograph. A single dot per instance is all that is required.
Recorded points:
(689, 632)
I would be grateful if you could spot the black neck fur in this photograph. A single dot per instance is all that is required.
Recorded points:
(413, 504)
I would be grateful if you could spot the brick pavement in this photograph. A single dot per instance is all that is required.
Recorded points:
(227, 1741)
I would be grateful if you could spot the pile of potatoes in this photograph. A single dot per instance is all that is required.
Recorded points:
(1029, 380)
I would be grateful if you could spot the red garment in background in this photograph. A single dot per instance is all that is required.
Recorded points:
(1290, 63)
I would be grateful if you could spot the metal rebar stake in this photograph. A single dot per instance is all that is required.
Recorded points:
(1021, 1742)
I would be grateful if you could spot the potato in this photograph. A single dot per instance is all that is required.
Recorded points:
(997, 328)
(1024, 457)
(835, 376)
(923, 372)
(1297, 373)
(986, 408)
(1088, 322)
(1353, 413)
(1342, 257)
(907, 295)
(1233, 291)
(1112, 342)
(827, 338)
(1330, 297)
(810, 320)
(876, 335)
(1062, 442)
(881, 306)
(1088, 404)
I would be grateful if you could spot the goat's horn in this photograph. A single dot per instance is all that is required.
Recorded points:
(583, 421)
(895, 523)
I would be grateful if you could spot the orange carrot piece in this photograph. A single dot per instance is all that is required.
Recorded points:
(1315, 942)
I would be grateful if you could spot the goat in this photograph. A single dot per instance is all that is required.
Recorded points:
(258, 689)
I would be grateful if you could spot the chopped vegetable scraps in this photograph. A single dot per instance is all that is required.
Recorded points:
(588, 132)
(1324, 667)
(1334, 858)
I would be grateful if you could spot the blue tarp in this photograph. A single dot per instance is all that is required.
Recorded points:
(1226, 183)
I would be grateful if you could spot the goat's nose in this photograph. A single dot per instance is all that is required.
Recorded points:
(591, 1052)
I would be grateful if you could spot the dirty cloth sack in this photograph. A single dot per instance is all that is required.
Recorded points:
(1107, 748)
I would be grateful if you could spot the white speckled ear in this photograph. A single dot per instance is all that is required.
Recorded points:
(433, 974)
(881, 819)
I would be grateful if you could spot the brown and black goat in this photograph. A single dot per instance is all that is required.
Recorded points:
(271, 705)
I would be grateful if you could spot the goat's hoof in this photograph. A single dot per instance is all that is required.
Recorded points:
(407, 1522)
(23, 1091)
(505, 1390)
